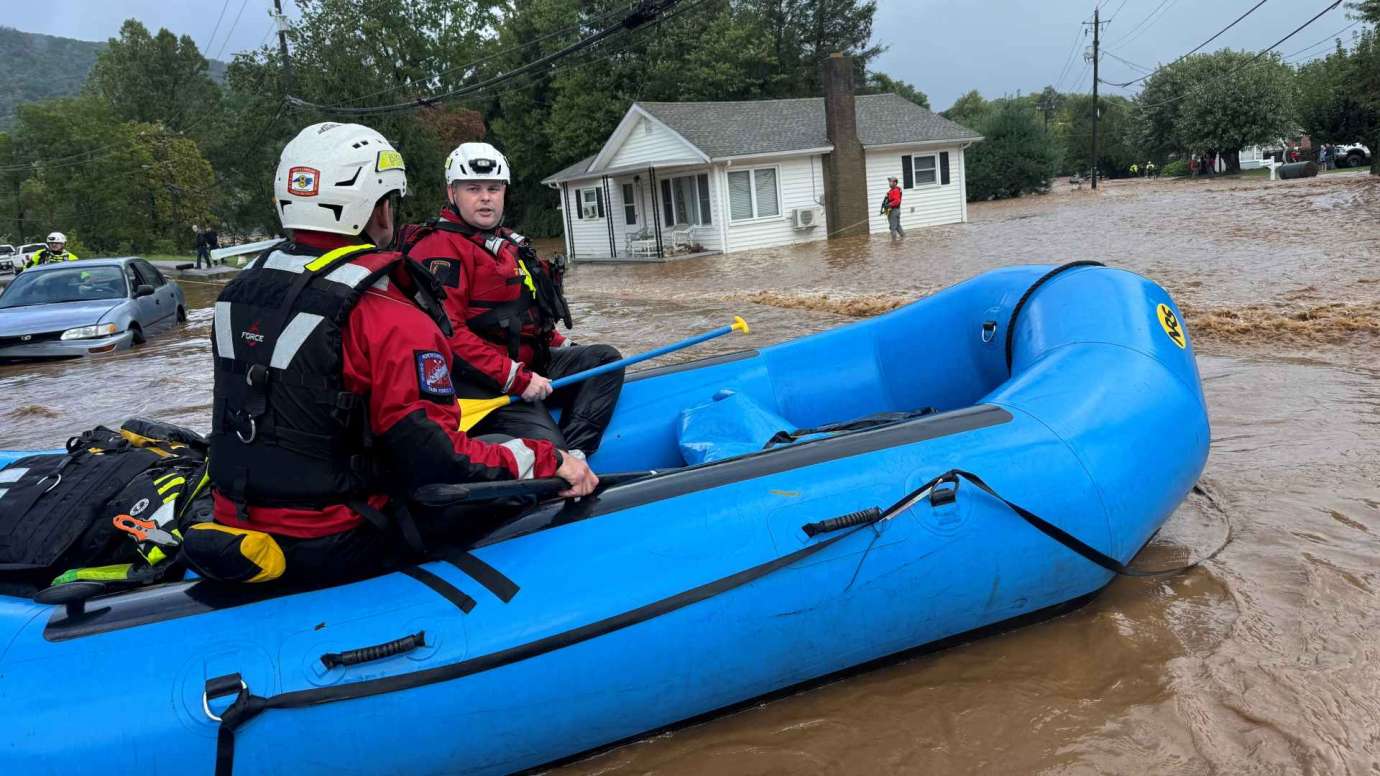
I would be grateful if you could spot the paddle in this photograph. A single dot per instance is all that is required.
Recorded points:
(443, 494)
(474, 410)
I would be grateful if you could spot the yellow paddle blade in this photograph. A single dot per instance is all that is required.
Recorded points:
(739, 324)
(473, 410)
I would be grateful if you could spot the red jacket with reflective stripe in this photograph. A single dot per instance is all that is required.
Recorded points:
(478, 275)
(384, 339)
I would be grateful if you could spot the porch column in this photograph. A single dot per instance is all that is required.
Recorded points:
(569, 229)
(608, 211)
(656, 212)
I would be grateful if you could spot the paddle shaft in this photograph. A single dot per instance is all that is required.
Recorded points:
(437, 495)
(624, 363)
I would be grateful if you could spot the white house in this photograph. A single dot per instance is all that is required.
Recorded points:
(685, 178)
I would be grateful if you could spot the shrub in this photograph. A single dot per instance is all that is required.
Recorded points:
(1175, 169)
(1018, 156)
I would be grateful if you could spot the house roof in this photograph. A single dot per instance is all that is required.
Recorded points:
(749, 128)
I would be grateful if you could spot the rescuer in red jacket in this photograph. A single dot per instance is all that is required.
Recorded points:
(333, 398)
(504, 303)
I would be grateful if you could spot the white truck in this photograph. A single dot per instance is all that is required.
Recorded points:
(1352, 155)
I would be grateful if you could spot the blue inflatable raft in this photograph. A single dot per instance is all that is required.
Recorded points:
(1073, 394)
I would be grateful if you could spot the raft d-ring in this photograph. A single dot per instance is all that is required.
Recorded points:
(989, 330)
(57, 478)
(206, 702)
(253, 432)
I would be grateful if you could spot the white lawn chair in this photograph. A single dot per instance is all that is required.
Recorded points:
(640, 243)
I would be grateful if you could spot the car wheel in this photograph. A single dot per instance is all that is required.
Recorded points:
(1355, 159)
(138, 334)
(181, 314)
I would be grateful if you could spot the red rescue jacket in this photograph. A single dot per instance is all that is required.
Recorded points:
(484, 286)
(893, 198)
(396, 358)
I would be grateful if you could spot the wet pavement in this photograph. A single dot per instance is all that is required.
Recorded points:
(1264, 660)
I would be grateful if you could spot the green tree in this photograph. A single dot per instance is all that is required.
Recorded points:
(1219, 102)
(155, 79)
(1118, 146)
(880, 83)
(969, 110)
(1017, 157)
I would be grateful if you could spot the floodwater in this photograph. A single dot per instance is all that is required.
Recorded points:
(1263, 660)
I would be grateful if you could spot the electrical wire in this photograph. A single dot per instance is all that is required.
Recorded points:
(648, 11)
(1195, 49)
(1249, 62)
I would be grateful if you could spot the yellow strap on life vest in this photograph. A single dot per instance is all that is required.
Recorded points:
(526, 277)
(330, 256)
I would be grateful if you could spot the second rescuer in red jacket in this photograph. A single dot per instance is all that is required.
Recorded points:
(504, 303)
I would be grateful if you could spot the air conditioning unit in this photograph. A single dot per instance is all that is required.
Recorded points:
(808, 217)
(591, 211)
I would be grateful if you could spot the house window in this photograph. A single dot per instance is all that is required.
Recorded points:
(753, 194)
(924, 170)
(629, 207)
(685, 200)
(591, 202)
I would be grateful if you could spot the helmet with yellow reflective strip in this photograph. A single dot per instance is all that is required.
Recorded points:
(331, 175)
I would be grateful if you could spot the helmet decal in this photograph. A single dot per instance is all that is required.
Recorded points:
(304, 181)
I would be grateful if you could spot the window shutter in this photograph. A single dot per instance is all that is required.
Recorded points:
(944, 167)
(907, 173)
(668, 215)
(599, 192)
(580, 204)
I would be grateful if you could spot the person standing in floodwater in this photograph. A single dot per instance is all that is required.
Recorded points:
(891, 208)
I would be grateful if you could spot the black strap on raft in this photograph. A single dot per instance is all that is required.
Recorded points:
(247, 705)
(944, 489)
(1029, 292)
(445, 589)
(861, 424)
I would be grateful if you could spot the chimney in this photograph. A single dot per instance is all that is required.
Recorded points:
(845, 174)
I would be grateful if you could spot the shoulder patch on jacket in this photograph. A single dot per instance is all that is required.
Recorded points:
(433, 377)
(447, 271)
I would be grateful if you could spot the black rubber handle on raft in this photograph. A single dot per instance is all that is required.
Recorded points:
(376, 652)
(861, 517)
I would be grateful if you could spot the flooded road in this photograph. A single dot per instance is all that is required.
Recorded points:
(1265, 660)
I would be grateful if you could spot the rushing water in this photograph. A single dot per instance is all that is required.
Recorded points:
(1264, 660)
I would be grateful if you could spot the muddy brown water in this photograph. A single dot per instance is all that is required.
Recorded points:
(1264, 660)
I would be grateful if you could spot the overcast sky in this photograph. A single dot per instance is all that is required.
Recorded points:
(945, 47)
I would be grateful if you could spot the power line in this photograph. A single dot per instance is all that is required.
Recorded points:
(216, 29)
(1138, 25)
(1126, 62)
(1195, 49)
(1328, 39)
(1070, 59)
(231, 31)
(1250, 61)
(645, 12)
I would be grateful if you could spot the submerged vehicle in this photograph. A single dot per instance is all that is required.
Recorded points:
(815, 505)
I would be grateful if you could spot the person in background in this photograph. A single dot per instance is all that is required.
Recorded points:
(891, 208)
(201, 252)
(212, 240)
(1135, 170)
(1149, 169)
(54, 251)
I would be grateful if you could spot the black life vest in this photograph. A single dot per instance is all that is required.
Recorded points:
(285, 430)
(533, 299)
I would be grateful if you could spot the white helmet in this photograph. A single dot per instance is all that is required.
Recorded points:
(57, 237)
(476, 162)
(331, 175)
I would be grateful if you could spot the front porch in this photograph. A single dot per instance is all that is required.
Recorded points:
(646, 213)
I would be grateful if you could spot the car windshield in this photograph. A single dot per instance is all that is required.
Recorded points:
(76, 284)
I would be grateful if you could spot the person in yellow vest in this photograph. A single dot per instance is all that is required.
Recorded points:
(55, 251)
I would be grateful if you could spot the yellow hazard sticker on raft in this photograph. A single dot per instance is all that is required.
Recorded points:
(389, 160)
(1170, 322)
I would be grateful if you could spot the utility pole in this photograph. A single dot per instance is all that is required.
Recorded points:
(288, 86)
(1097, 108)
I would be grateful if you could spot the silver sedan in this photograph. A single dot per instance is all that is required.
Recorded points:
(75, 308)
